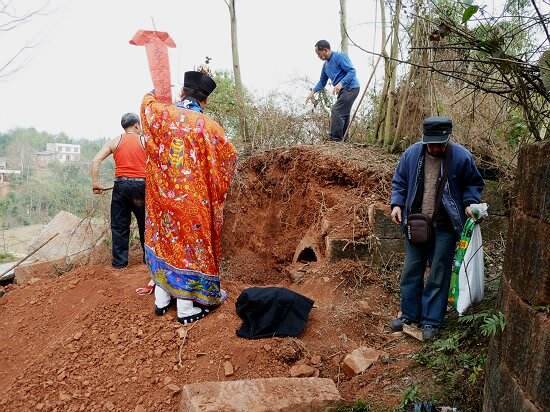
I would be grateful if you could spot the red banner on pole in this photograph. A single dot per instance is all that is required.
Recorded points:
(156, 45)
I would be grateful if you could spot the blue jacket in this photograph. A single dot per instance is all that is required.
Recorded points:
(340, 70)
(463, 188)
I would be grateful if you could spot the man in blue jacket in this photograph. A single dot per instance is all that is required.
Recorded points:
(437, 179)
(340, 71)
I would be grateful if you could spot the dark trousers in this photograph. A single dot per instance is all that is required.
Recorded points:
(340, 115)
(427, 303)
(128, 197)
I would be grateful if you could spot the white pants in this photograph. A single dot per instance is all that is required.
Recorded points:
(184, 307)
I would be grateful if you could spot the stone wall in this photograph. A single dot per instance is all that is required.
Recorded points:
(518, 368)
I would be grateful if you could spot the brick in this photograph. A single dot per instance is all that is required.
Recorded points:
(360, 360)
(526, 346)
(533, 181)
(261, 395)
(504, 394)
(527, 261)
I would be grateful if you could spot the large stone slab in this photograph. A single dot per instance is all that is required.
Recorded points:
(261, 395)
(527, 262)
(338, 249)
(75, 237)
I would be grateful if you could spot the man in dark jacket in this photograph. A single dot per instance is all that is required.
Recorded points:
(438, 179)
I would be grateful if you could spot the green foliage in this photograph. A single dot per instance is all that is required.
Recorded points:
(542, 309)
(410, 396)
(39, 194)
(359, 406)
(222, 103)
(490, 323)
(469, 12)
(458, 358)
(6, 257)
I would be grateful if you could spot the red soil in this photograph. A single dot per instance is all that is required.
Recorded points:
(86, 342)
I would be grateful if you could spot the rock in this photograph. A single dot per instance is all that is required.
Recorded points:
(261, 395)
(228, 368)
(167, 380)
(302, 371)
(77, 336)
(109, 406)
(140, 408)
(64, 397)
(413, 331)
(147, 372)
(39, 406)
(316, 360)
(360, 360)
(364, 306)
(172, 387)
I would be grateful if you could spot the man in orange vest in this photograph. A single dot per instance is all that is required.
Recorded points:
(128, 151)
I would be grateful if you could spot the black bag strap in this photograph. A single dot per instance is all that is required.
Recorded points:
(442, 180)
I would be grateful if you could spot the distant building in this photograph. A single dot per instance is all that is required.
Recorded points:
(42, 159)
(61, 152)
(5, 175)
(64, 152)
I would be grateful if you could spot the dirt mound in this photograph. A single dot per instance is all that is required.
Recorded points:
(282, 197)
(87, 341)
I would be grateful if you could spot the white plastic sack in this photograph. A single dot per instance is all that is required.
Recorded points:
(468, 282)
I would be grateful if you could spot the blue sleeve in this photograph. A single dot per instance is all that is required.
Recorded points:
(473, 183)
(347, 67)
(400, 183)
(322, 81)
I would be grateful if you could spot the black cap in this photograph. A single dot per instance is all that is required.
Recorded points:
(199, 82)
(437, 130)
(128, 120)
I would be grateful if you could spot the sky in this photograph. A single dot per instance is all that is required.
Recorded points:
(82, 74)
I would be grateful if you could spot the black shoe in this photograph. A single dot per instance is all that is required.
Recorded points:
(429, 332)
(396, 325)
(161, 311)
(193, 318)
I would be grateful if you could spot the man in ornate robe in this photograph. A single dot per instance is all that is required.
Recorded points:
(189, 169)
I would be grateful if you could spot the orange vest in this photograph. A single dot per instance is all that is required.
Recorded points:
(129, 156)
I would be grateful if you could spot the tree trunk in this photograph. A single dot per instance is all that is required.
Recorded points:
(415, 41)
(344, 41)
(381, 110)
(389, 134)
(237, 70)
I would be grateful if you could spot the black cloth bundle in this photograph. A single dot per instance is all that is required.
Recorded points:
(270, 312)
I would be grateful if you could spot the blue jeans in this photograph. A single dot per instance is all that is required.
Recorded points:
(427, 303)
